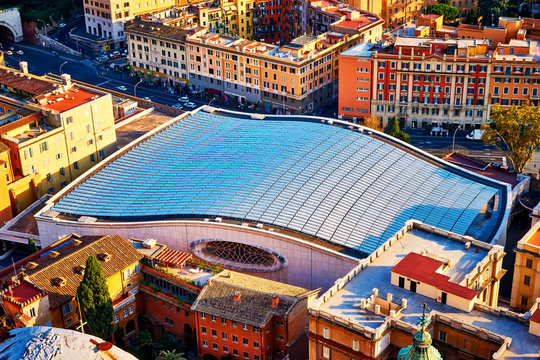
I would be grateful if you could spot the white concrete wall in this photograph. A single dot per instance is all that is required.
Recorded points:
(11, 19)
(308, 265)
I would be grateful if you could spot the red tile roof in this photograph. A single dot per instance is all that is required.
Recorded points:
(422, 268)
(25, 82)
(488, 170)
(430, 16)
(22, 293)
(69, 99)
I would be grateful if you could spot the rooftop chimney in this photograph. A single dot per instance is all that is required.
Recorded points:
(66, 79)
(24, 67)
(275, 300)
(236, 296)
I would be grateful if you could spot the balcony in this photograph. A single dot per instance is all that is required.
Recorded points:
(124, 299)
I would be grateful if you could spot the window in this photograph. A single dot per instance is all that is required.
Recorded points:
(49, 178)
(33, 312)
(43, 146)
(223, 335)
(528, 263)
(524, 301)
(69, 120)
(355, 345)
(245, 341)
(92, 157)
(62, 171)
(116, 318)
(213, 317)
(203, 316)
(244, 326)
(326, 352)
(442, 336)
(527, 280)
(235, 352)
(76, 165)
(246, 355)
(214, 333)
(326, 333)
(225, 349)
(224, 321)
(203, 330)
(214, 346)
(256, 344)
(131, 309)
(205, 343)
(234, 339)
(126, 313)
(67, 308)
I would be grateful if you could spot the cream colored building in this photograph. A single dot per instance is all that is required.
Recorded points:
(526, 282)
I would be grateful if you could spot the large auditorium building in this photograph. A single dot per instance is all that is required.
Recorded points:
(295, 199)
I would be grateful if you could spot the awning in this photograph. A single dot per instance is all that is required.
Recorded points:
(213, 91)
(172, 257)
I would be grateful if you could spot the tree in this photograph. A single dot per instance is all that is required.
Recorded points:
(472, 17)
(373, 122)
(95, 300)
(392, 128)
(449, 12)
(144, 338)
(170, 355)
(491, 10)
(516, 130)
(31, 247)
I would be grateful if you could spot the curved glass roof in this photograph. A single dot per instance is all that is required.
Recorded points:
(339, 185)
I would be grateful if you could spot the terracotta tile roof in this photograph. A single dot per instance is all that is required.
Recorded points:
(61, 259)
(22, 293)
(254, 307)
(422, 268)
(25, 82)
(21, 122)
(3, 147)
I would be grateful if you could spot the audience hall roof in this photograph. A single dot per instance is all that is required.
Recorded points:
(326, 181)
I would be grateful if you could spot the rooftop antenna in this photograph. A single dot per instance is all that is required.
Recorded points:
(424, 322)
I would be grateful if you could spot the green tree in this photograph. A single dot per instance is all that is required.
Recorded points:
(449, 12)
(95, 300)
(491, 10)
(516, 130)
(144, 338)
(31, 247)
(472, 17)
(392, 128)
(170, 355)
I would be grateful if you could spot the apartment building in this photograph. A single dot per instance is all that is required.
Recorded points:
(426, 81)
(526, 282)
(158, 52)
(58, 133)
(106, 18)
(298, 77)
(43, 293)
(250, 317)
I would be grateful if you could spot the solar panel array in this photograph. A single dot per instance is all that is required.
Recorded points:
(333, 183)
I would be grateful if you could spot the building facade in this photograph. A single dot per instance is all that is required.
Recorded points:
(526, 282)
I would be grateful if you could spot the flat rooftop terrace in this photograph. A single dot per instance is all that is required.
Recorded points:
(345, 303)
(69, 99)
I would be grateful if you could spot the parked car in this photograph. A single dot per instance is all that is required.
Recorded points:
(54, 53)
(183, 99)
(20, 52)
(9, 52)
(177, 106)
(61, 25)
(190, 105)
(121, 88)
(147, 98)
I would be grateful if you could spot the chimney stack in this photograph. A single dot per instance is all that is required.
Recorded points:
(24, 67)
(236, 296)
(275, 300)
(66, 79)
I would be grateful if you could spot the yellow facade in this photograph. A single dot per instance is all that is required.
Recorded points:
(55, 142)
(526, 281)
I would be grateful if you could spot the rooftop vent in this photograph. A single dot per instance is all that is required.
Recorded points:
(275, 300)
(79, 269)
(104, 257)
(236, 296)
(467, 245)
(76, 242)
(31, 265)
(53, 254)
(149, 243)
(59, 281)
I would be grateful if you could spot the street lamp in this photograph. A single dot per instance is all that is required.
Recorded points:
(60, 68)
(135, 88)
(214, 98)
(44, 24)
(454, 138)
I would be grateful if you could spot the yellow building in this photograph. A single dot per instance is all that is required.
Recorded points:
(526, 282)
(45, 293)
(55, 137)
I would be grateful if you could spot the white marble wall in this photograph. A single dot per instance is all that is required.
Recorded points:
(308, 265)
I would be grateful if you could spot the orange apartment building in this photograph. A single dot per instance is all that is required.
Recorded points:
(251, 318)
(426, 81)
(526, 282)
(299, 77)
(43, 290)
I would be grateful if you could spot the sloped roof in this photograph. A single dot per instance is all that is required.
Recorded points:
(68, 254)
(255, 304)
(25, 82)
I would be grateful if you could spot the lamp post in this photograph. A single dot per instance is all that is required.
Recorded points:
(214, 98)
(454, 138)
(135, 88)
(44, 24)
(60, 68)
